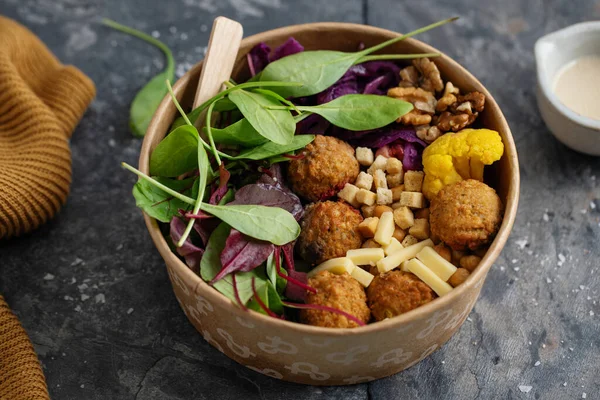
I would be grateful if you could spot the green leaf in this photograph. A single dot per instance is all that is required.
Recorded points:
(210, 265)
(229, 196)
(156, 202)
(177, 153)
(274, 278)
(269, 297)
(146, 101)
(276, 125)
(360, 112)
(317, 70)
(239, 133)
(271, 149)
(272, 224)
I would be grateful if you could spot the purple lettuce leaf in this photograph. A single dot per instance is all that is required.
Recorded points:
(296, 292)
(190, 252)
(218, 194)
(270, 196)
(273, 176)
(291, 46)
(242, 254)
(258, 58)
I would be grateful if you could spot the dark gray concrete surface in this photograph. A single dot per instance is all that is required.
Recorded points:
(94, 295)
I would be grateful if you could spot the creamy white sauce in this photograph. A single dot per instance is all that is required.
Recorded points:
(577, 85)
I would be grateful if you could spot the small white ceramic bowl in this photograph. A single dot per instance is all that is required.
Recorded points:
(552, 53)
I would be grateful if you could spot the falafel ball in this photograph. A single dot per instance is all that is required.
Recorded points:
(338, 291)
(395, 293)
(466, 215)
(328, 164)
(329, 230)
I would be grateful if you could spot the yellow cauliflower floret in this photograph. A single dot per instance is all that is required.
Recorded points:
(457, 156)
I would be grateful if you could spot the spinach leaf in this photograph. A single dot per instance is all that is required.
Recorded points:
(195, 113)
(176, 154)
(271, 224)
(239, 133)
(276, 125)
(318, 70)
(203, 171)
(269, 297)
(271, 269)
(361, 112)
(210, 265)
(278, 97)
(156, 202)
(146, 101)
(271, 149)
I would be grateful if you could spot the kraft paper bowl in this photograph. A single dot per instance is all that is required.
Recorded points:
(320, 356)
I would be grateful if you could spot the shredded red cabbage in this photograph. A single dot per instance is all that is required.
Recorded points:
(291, 46)
(260, 56)
(324, 308)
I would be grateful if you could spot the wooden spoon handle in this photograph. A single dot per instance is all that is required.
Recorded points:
(223, 47)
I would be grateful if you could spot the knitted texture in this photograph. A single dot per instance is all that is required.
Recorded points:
(41, 102)
(21, 377)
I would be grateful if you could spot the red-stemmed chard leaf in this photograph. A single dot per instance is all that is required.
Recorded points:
(324, 308)
(242, 254)
(261, 304)
(237, 293)
(291, 280)
(218, 194)
(270, 196)
(190, 252)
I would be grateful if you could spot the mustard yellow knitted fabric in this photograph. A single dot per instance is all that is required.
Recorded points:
(21, 376)
(41, 102)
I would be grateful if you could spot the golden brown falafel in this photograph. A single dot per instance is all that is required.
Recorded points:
(328, 164)
(342, 292)
(466, 215)
(395, 293)
(329, 230)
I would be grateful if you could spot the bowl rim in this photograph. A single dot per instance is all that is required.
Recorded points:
(546, 82)
(200, 287)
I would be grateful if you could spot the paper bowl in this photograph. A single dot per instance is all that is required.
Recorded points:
(321, 356)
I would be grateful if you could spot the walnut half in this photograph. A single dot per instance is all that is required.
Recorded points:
(461, 113)
(430, 75)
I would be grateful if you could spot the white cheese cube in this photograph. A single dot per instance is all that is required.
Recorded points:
(364, 181)
(426, 275)
(413, 181)
(336, 266)
(365, 256)
(362, 276)
(412, 199)
(397, 258)
(384, 196)
(385, 229)
(379, 179)
(364, 155)
(393, 247)
(366, 197)
(393, 166)
(436, 263)
(379, 163)
(348, 193)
